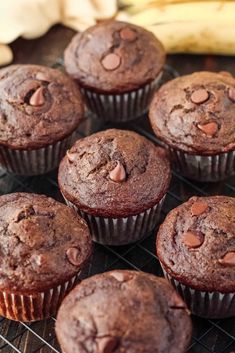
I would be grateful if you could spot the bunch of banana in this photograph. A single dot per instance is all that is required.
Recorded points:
(196, 26)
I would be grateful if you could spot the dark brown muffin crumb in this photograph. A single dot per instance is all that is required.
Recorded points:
(123, 311)
(114, 173)
(195, 113)
(114, 57)
(43, 243)
(196, 243)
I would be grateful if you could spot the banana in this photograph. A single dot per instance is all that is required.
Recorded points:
(187, 26)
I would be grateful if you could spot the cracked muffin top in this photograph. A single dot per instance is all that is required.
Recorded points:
(195, 113)
(114, 173)
(38, 106)
(123, 311)
(114, 56)
(43, 243)
(196, 243)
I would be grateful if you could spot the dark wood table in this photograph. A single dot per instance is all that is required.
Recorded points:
(217, 336)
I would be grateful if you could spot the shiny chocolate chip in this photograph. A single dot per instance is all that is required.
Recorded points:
(128, 34)
(73, 255)
(209, 129)
(198, 207)
(111, 61)
(37, 97)
(199, 96)
(120, 276)
(193, 239)
(228, 259)
(107, 344)
(118, 174)
(231, 94)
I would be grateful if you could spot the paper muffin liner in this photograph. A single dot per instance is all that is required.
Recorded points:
(213, 305)
(203, 168)
(121, 107)
(37, 306)
(35, 161)
(121, 231)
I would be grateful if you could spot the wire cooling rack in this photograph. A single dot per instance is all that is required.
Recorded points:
(215, 336)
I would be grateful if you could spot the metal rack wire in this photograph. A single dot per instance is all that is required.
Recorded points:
(215, 336)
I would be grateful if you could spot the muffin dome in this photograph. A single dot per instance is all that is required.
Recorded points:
(123, 311)
(196, 243)
(195, 113)
(114, 173)
(43, 243)
(38, 106)
(114, 57)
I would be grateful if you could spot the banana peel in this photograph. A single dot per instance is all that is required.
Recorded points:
(187, 26)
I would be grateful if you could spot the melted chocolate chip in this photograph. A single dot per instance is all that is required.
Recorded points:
(199, 96)
(228, 259)
(209, 129)
(37, 98)
(118, 174)
(73, 255)
(198, 207)
(231, 94)
(128, 34)
(121, 276)
(107, 344)
(111, 62)
(193, 239)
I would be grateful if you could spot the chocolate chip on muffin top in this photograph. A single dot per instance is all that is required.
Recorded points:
(42, 243)
(123, 311)
(114, 173)
(196, 243)
(38, 106)
(114, 56)
(195, 113)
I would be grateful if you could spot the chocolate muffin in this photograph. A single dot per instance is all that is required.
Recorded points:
(117, 181)
(194, 116)
(196, 248)
(40, 109)
(144, 315)
(118, 66)
(44, 245)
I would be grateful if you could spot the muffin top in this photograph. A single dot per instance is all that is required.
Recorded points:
(43, 243)
(196, 243)
(114, 173)
(123, 311)
(114, 57)
(38, 106)
(195, 113)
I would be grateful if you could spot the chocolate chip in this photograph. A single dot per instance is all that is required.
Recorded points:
(111, 61)
(73, 255)
(228, 259)
(128, 34)
(42, 77)
(37, 98)
(71, 156)
(121, 276)
(107, 344)
(231, 94)
(40, 259)
(198, 207)
(199, 96)
(176, 302)
(193, 239)
(118, 174)
(209, 129)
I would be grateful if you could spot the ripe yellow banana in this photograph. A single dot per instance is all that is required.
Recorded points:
(187, 26)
